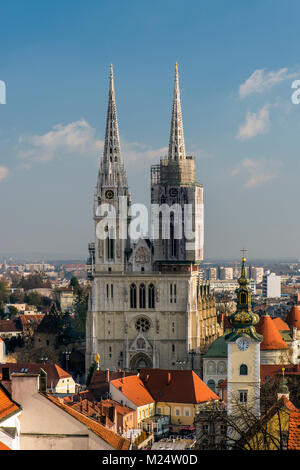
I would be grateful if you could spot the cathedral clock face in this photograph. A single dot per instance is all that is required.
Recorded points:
(173, 192)
(243, 344)
(109, 194)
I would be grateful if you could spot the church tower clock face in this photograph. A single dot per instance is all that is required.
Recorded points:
(243, 344)
(109, 194)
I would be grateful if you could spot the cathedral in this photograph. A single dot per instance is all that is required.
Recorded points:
(148, 306)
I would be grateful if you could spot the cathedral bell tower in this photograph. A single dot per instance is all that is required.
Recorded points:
(243, 343)
(177, 201)
(111, 200)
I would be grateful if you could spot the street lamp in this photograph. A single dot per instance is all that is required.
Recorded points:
(192, 354)
(67, 354)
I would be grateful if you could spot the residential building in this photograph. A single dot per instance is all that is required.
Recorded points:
(271, 286)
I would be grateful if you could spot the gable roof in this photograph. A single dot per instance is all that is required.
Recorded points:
(54, 372)
(7, 406)
(176, 386)
(7, 326)
(112, 438)
(134, 389)
(293, 318)
(272, 338)
(99, 385)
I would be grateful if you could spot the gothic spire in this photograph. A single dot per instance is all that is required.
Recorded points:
(112, 150)
(176, 144)
(112, 170)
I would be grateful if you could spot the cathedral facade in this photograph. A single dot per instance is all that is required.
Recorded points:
(148, 306)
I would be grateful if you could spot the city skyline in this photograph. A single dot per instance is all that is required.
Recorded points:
(239, 121)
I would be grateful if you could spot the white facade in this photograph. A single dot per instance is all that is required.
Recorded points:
(271, 285)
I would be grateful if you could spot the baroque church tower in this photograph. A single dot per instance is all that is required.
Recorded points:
(243, 343)
(147, 304)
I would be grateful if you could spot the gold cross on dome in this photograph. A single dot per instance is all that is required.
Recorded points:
(243, 250)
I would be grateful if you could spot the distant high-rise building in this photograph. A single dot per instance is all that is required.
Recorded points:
(226, 273)
(257, 274)
(271, 285)
(213, 274)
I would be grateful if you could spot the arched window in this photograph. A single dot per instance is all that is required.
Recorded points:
(142, 296)
(211, 384)
(133, 296)
(151, 296)
(221, 367)
(243, 369)
(211, 368)
(110, 245)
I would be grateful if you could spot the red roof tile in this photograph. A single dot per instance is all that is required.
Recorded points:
(294, 431)
(176, 386)
(112, 438)
(134, 389)
(7, 406)
(293, 318)
(4, 447)
(7, 326)
(54, 372)
(280, 324)
(272, 339)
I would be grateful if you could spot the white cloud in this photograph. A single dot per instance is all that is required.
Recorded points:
(255, 172)
(260, 81)
(3, 172)
(256, 123)
(79, 138)
(139, 153)
(74, 138)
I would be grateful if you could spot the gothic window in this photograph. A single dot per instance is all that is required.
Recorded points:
(133, 296)
(142, 296)
(173, 347)
(107, 290)
(140, 344)
(243, 369)
(151, 296)
(173, 293)
(112, 291)
(142, 324)
(110, 246)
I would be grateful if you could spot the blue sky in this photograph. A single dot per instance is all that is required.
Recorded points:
(237, 61)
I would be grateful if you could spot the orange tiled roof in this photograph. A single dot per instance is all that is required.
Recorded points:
(31, 319)
(116, 441)
(9, 326)
(134, 389)
(272, 339)
(176, 386)
(293, 318)
(294, 431)
(4, 447)
(280, 324)
(7, 406)
(54, 372)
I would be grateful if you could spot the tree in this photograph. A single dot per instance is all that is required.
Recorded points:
(74, 284)
(81, 307)
(4, 292)
(92, 369)
(33, 298)
(243, 429)
(34, 281)
(13, 311)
